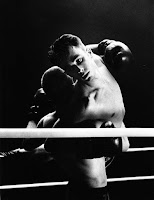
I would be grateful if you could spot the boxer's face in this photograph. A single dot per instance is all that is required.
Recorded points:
(79, 64)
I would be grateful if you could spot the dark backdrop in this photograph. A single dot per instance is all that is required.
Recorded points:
(28, 27)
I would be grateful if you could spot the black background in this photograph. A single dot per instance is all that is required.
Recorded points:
(28, 27)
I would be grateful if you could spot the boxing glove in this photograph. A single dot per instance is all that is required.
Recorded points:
(57, 85)
(99, 147)
(116, 54)
(111, 145)
(40, 106)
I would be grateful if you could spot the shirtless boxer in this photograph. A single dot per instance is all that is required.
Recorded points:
(97, 99)
(43, 113)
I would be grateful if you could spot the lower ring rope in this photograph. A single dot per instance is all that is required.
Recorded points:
(32, 185)
(140, 149)
(110, 180)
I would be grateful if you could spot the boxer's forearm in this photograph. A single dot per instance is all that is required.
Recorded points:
(125, 144)
(31, 124)
(93, 47)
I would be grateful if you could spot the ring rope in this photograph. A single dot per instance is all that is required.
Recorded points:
(140, 149)
(75, 132)
(32, 185)
(110, 180)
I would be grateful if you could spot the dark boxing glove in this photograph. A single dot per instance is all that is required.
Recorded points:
(106, 146)
(116, 54)
(98, 147)
(40, 106)
(111, 145)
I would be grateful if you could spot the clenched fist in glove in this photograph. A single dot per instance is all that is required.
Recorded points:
(116, 54)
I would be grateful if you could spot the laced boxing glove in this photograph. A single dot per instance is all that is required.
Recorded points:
(116, 54)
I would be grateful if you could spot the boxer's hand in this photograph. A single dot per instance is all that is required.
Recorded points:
(40, 107)
(116, 54)
(110, 145)
(99, 147)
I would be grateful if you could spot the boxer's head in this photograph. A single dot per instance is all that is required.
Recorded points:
(59, 51)
(70, 54)
(56, 84)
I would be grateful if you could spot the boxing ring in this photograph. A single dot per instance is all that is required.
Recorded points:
(83, 133)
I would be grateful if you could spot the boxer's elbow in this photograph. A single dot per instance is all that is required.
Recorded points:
(125, 144)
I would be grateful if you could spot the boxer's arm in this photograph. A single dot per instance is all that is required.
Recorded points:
(125, 141)
(34, 115)
(31, 124)
(125, 144)
(93, 48)
(48, 120)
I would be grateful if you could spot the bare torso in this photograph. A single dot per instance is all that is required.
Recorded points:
(103, 103)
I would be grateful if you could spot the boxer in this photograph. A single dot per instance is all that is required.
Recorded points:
(96, 99)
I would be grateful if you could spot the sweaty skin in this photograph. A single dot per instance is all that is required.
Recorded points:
(97, 98)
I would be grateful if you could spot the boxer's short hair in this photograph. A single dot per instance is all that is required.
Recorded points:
(60, 48)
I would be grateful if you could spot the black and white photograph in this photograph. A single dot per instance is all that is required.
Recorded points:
(71, 71)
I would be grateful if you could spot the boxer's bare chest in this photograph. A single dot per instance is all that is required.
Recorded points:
(103, 103)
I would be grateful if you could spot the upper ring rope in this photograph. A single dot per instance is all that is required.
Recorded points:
(75, 132)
